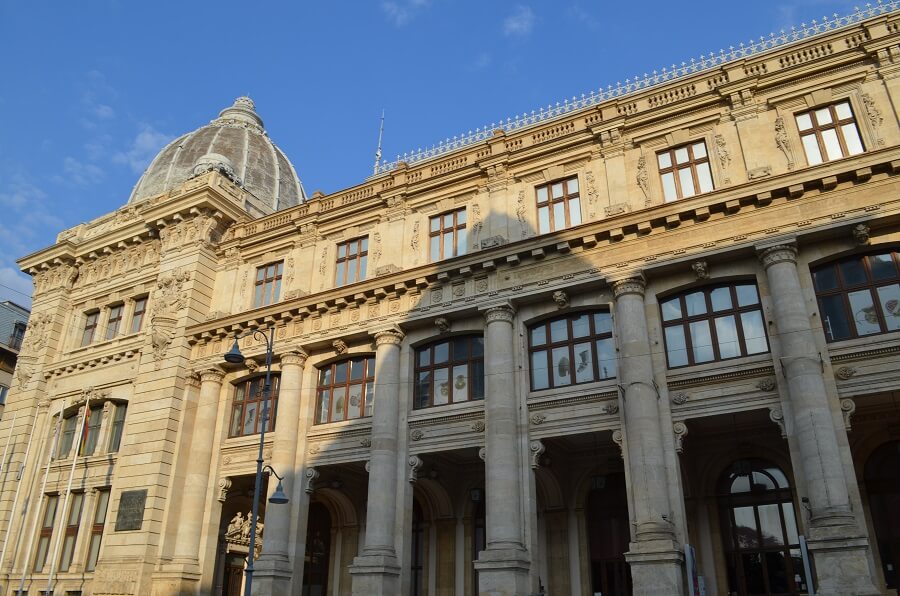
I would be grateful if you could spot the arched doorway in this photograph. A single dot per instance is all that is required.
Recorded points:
(608, 535)
(417, 554)
(759, 530)
(882, 475)
(318, 549)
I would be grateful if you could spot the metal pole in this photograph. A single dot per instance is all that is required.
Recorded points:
(12, 511)
(248, 572)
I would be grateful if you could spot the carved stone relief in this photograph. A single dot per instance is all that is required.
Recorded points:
(643, 179)
(783, 143)
(520, 214)
(874, 115)
(477, 225)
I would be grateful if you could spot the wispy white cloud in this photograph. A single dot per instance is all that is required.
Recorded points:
(29, 219)
(104, 112)
(520, 22)
(80, 173)
(143, 149)
(482, 61)
(15, 286)
(399, 13)
(584, 17)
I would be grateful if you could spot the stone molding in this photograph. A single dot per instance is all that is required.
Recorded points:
(212, 375)
(681, 430)
(537, 449)
(779, 253)
(390, 337)
(499, 313)
(415, 464)
(296, 357)
(312, 475)
(635, 284)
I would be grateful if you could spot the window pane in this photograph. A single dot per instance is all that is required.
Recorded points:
(354, 400)
(606, 357)
(584, 363)
(542, 194)
(676, 348)
(557, 190)
(574, 211)
(461, 382)
(539, 377)
(681, 155)
(602, 322)
(804, 122)
(668, 182)
(572, 186)
(235, 429)
(340, 373)
(65, 558)
(696, 304)
(356, 369)
(448, 246)
(93, 552)
(825, 278)
(823, 116)
(435, 248)
(539, 335)
(461, 217)
(352, 248)
(558, 330)
(338, 403)
(460, 348)
(477, 347)
(754, 332)
(434, 224)
(745, 527)
(423, 390)
(686, 179)
(770, 524)
(701, 342)
(843, 110)
(853, 273)
(324, 405)
(882, 266)
(562, 368)
(811, 147)
(790, 523)
(441, 352)
(704, 177)
(249, 419)
(448, 220)
(461, 241)
(851, 139)
(339, 278)
(476, 389)
(370, 397)
(726, 333)
(834, 318)
(665, 160)
(832, 145)
(863, 310)
(776, 566)
(889, 297)
(543, 220)
(581, 326)
(720, 298)
(699, 150)
(441, 389)
(671, 309)
(559, 216)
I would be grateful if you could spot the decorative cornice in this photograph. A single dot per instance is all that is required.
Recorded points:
(296, 357)
(780, 253)
(865, 355)
(693, 381)
(504, 313)
(212, 375)
(635, 284)
(576, 399)
(388, 337)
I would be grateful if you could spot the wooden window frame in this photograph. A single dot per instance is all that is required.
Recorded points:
(17, 335)
(114, 320)
(567, 199)
(844, 290)
(836, 124)
(474, 365)
(67, 428)
(240, 405)
(456, 230)
(101, 512)
(267, 287)
(137, 317)
(366, 384)
(117, 428)
(356, 262)
(685, 321)
(692, 163)
(91, 433)
(45, 533)
(70, 531)
(91, 320)
(549, 345)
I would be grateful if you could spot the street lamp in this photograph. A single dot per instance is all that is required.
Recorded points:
(234, 356)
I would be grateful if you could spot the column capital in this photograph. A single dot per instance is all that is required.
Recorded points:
(391, 336)
(501, 311)
(295, 357)
(777, 253)
(212, 375)
(193, 380)
(632, 284)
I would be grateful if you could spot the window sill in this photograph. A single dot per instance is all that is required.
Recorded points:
(85, 462)
(598, 387)
(475, 405)
(876, 341)
(687, 372)
(330, 427)
(104, 343)
(247, 440)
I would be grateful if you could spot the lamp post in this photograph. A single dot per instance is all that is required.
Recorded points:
(234, 356)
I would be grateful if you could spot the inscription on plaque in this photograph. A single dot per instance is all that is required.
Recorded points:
(131, 510)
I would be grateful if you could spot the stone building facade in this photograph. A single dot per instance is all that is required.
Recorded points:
(647, 335)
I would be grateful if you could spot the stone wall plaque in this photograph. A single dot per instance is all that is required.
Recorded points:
(131, 510)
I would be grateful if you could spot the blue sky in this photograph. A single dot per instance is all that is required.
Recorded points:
(92, 90)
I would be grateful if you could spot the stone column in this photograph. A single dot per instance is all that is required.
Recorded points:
(274, 569)
(654, 555)
(376, 571)
(504, 566)
(839, 546)
(196, 481)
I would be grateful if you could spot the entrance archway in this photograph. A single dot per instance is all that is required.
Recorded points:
(759, 530)
(318, 550)
(608, 535)
(882, 476)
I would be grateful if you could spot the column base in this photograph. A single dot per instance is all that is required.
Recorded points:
(177, 578)
(657, 567)
(375, 575)
(503, 572)
(272, 574)
(842, 565)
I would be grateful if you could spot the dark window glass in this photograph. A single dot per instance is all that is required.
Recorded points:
(137, 318)
(449, 371)
(97, 529)
(91, 431)
(114, 321)
(572, 349)
(247, 407)
(71, 531)
(90, 326)
(46, 532)
(343, 396)
(859, 295)
(714, 323)
(118, 425)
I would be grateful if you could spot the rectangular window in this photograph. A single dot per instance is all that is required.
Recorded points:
(68, 436)
(97, 529)
(3, 391)
(351, 261)
(558, 205)
(137, 318)
(46, 532)
(684, 171)
(16, 337)
(829, 133)
(90, 326)
(268, 284)
(114, 321)
(447, 234)
(71, 532)
(91, 431)
(118, 425)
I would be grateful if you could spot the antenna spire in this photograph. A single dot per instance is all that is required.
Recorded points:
(378, 150)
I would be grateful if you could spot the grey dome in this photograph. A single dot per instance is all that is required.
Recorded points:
(234, 144)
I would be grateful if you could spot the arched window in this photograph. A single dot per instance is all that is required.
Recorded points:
(759, 530)
(572, 349)
(345, 389)
(450, 371)
(713, 323)
(883, 487)
(859, 295)
(247, 407)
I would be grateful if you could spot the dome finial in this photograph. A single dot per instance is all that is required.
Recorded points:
(243, 110)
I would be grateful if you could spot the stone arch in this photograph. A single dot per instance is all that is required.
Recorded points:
(433, 498)
(711, 470)
(341, 508)
(549, 492)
